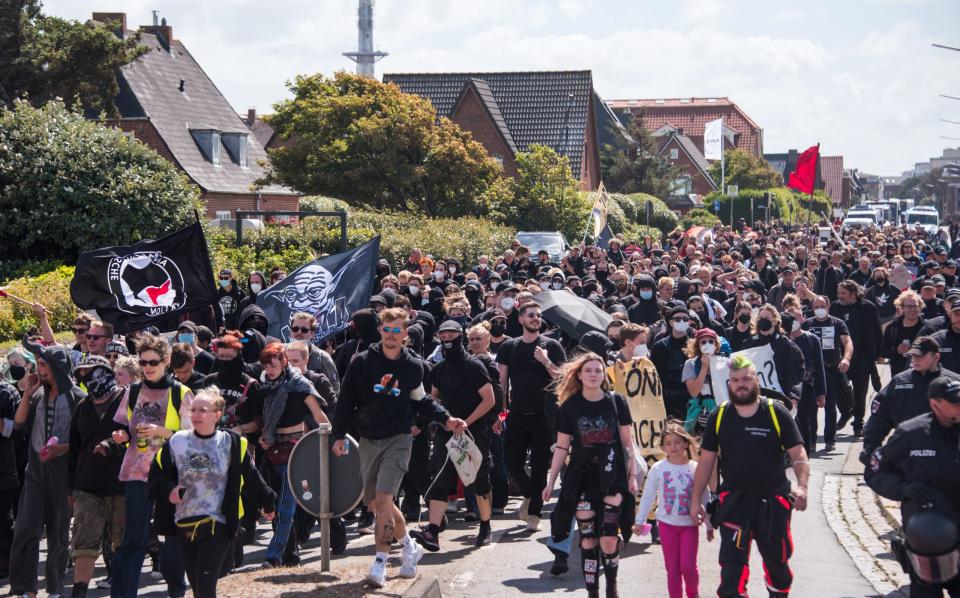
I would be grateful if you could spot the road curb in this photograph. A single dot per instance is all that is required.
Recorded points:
(890, 509)
(425, 587)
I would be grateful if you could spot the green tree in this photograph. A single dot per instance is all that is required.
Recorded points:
(746, 171)
(374, 146)
(546, 196)
(635, 165)
(69, 185)
(44, 57)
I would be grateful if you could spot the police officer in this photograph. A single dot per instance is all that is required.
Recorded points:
(918, 466)
(949, 339)
(905, 396)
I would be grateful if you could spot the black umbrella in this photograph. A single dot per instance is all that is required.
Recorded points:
(573, 315)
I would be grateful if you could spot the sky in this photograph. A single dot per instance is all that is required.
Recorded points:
(858, 76)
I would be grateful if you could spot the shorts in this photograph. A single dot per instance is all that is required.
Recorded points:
(96, 517)
(445, 474)
(383, 463)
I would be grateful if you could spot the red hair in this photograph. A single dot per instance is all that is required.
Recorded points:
(273, 352)
(231, 340)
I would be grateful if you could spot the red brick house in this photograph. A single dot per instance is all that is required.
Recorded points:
(680, 151)
(692, 115)
(508, 112)
(169, 103)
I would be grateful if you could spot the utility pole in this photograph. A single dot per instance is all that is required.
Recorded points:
(365, 57)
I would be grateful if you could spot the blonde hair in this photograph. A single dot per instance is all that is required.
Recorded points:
(129, 364)
(570, 383)
(212, 394)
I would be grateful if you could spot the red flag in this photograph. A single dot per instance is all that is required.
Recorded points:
(803, 179)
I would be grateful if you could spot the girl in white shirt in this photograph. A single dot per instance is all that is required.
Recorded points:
(670, 483)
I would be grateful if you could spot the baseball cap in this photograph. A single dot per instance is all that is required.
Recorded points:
(705, 333)
(506, 285)
(119, 348)
(944, 388)
(92, 361)
(924, 345)
(450, 326)
(188, 326)
(949, 264)
(938, 279)
(226, 272)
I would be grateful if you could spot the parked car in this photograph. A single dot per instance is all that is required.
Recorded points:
(554, 242)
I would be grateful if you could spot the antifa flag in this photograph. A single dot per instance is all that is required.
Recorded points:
(331, 288)
(145, 283)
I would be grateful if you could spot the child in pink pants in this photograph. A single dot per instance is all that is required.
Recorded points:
(670, 483)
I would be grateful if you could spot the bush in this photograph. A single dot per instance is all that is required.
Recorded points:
(320, 203)
(68, 185)
(662, 218)
(698, 217)
(51, 289)
(787, 205)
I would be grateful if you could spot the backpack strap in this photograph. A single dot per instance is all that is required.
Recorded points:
(132, 399)
(773, 417)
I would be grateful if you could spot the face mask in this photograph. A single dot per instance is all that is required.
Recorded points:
(17, 372)
(230, 369)
(640, 351)
(462, 320)
(224, 283)
(185, 337)
(616, 342)
(820, 312)
(557, 286)
(507, 303)
(425, 301)
(414, 289)
(255, 287)
(681, 327)
(744, 318)
(764, 325)
(498, 329)
(708, 348)
(544, 286)
(452, 349)
(483, 266)
(646, 295)
(438, 275)
(101, 382)
(601, 276)
(494, 285)
(796, 326)
(452, 271)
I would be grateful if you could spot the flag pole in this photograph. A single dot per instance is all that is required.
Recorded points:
(813, 187)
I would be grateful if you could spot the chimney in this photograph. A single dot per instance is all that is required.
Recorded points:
(680, 131)
(251, 116)
(162, 30)
(107, 17)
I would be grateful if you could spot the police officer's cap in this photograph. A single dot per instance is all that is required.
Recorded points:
(924, 345)
(945, 388)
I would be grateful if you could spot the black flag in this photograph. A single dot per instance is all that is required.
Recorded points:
(331, 288)
(145, 283)
(603, 241)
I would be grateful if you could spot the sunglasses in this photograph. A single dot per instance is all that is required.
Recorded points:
(301, 329)
(94, 337)
(535, 316)
(112, 356)
(80, 330)
(681, 319)
(150, 362)
(475, 339)
(391, 330)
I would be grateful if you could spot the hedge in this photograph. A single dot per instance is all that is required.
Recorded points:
(787, 205)
(52, 289)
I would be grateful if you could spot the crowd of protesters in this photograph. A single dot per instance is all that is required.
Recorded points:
(172, 444)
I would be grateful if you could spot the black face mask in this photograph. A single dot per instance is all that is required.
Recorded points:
(453, 350)
(744, 318)
(764, 325)
(498, 329)
(601, 276)
(230, 369)
(616, 342)
(17, 372)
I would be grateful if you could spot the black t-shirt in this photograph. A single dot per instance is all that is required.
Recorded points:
(829, 332)
(527, 377)
(751, 453)
(458, 382)
(593, 423)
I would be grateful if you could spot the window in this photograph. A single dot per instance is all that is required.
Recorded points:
(499, 159)
(682, 186)
(224, 215)
(674, 153)
(236, 144)
(209, 142)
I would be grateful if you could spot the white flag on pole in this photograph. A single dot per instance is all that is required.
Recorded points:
(713, 140)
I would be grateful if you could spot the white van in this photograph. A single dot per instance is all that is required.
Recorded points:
(926, 216)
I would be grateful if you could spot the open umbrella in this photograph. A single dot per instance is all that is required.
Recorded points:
(573, 315)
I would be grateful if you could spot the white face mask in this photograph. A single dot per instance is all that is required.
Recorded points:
(640, 351)
(544, 285)
(708, 348)
(557, 286)
(414, 289)
(255, 287)
(452, 270)
(494, 285)
(483, 265)
(681, 327)
(438, 275)
(507, 303)
(796, 326)
(820, 312)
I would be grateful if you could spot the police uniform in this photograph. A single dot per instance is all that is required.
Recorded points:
(903, 398)
(949, 345)
(921, 453)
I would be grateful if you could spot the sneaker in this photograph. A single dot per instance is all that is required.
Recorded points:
(829, 447)
(525, 509)
(409, 557)
(104, 584)
(271, 564)
(559, 566)
(843, 421)
(377, 576)
(533, 523)
(427, 538)
(365, 525)
(858, 432)
(484, 536)
(156, 575)
(497, 510)
(654, 533)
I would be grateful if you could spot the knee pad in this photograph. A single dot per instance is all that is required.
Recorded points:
(587, 528)
(610, 525)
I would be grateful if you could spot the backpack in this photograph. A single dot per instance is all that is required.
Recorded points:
(773, 416)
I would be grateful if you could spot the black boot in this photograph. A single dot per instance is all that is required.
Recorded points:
(590, 561)
(79, 590)
(611, 566)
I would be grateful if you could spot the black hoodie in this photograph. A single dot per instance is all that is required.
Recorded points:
(384, 414)
(365, 330)
(90, 472)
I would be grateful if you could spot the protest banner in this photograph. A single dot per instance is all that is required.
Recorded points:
(762, 358)
(639, 384)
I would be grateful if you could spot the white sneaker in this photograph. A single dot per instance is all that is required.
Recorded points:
(377, 576)
(525, 509)
(409, 557)
(533, 523)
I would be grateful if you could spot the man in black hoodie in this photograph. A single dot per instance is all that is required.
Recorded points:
(45, 413)
(645, 308)
(380, 394)
(94, 467)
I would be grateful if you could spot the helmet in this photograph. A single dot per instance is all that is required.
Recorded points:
(932, 546)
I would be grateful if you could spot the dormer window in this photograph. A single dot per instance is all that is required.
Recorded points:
(236, 144)
(209, 141)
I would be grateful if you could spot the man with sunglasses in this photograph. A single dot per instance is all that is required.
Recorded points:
(99, 336)
(380, 394)
(528, 365)
(303, 327)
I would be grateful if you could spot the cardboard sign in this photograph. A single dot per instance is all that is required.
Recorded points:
(762, 358)
(638, 382)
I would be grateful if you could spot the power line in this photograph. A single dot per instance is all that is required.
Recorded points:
(941, 46)
(949, 97)
(952, 122)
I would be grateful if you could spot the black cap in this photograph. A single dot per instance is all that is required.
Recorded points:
(790, 267)
(924, 345)
(938, 279)
(678, 309)
(944, 388)
(506, 285)
(450, 326)
(756, 286)
(378, 299)
(949, 264)
(940, 250)
(928, 282)
(187, 325)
